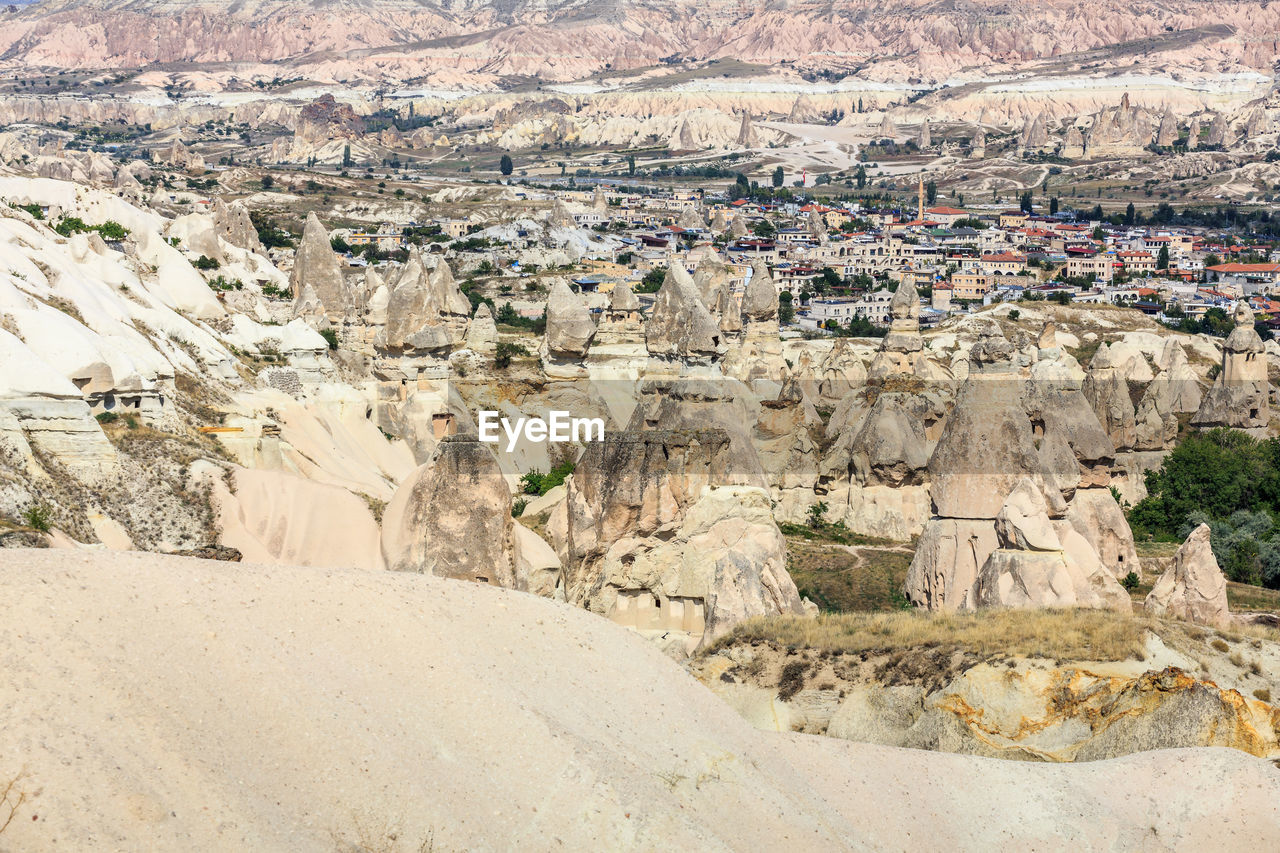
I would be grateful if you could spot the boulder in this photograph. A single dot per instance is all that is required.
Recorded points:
(760, 300)
(1040, 564)
(1023, 522)
(945, 566)
(569, 324)
(1096, 516)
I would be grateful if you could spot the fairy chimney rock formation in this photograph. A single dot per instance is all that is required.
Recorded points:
(1193, 587)
(1240, 396)
(316, 265)
(680, 327)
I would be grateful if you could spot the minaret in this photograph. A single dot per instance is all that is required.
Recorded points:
(921, 198)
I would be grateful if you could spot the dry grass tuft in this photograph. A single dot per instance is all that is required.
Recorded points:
(1094, 635)
(11, 799)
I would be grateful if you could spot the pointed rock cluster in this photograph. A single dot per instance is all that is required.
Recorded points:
(680, 326)
(1018, 484)
(1035, 134)
(654, 539)
(426, 311)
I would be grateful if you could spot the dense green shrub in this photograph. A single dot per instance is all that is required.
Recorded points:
(537, 483)
(1230, 481)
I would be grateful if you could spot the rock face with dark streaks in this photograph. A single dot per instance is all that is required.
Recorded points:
(652, 536)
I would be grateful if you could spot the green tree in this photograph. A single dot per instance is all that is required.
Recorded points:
(779, 177)
(764, 228)
(631, 164)
(1162, 260)
(346, 157)
(1217, 472)
(1053, 206)
(505, 165)
(652, 281)
(930, 192)
(1130, 215)
(1025, 202)
(786, 311)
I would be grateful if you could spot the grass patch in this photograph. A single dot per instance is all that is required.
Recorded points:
(840, 579)
(1092, 635)
(1246, 597)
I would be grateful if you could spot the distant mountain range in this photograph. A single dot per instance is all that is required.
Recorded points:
(898, 41)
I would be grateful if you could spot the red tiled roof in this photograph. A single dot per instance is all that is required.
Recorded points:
(1246, 268)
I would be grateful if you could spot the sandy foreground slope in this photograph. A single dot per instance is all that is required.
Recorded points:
(164, 703)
